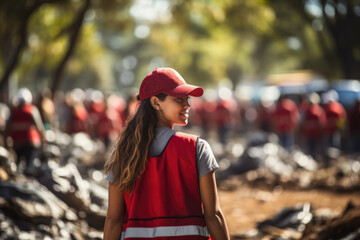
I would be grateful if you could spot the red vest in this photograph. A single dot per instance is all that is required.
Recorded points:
(314, 121)
(335, 116)
(104, 126)
(285, 117)
(222, 115)
(22, 126)
(166, 200)
(78, 121)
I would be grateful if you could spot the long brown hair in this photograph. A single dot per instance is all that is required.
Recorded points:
(128, 161)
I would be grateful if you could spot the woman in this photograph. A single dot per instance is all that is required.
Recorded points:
(162, 183)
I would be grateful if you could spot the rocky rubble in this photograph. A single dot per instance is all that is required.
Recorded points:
(302, 222)
(64, 194)
(265, 163)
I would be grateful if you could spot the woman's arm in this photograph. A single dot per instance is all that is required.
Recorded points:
(214, 218)
(115, 214)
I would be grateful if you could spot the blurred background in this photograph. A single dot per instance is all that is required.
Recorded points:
(281, 108)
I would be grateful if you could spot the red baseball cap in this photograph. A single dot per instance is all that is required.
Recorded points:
(168, 81)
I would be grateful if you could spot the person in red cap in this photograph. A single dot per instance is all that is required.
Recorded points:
(162, 182)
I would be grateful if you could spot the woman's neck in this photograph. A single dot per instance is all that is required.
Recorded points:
(169, 125)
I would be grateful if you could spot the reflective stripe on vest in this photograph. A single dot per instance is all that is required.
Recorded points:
(173, 231)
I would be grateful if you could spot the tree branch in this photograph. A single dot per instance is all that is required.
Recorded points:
(14, 56)
(76, 27)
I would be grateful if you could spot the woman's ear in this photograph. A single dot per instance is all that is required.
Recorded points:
(155, 102)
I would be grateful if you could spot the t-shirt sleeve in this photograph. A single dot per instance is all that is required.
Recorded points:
(205, 157)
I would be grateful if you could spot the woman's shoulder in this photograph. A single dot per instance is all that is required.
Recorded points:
(186, 135)
(203, 146)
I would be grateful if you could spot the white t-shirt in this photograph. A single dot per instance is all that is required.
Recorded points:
(206, 161)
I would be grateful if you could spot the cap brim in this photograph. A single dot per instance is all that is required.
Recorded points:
(184, 90)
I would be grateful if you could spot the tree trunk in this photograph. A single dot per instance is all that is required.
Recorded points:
(14, 55)
(341, 29)
(75, 32)
(12, 62)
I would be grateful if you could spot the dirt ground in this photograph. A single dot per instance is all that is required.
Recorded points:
(244, 206)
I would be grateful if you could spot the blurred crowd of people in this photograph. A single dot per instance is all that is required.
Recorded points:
(25, 122)
(316, 124)
(313, 124)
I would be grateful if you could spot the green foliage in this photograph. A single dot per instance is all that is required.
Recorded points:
(48, 31)
(205, 40)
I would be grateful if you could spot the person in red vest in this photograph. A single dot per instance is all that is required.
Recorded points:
(207, 116)
(335, 119)
(116, 111)
(26, 129)
(263, 116)
(78, 120)
(313, 126)
(162, 182)
(105, 125)
(285, 120)
(223, 120)
(95, 107)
